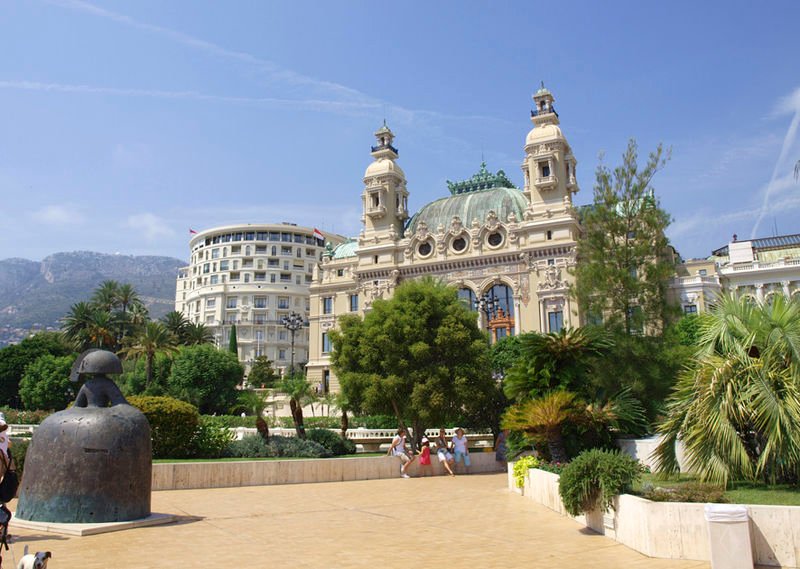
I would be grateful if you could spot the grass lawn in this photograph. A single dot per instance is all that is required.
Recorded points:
(166, 460)
(737, 493)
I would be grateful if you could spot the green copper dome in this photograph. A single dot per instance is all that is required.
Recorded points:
(468, 206)
(347, 249)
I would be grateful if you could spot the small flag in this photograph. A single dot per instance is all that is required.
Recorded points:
(192, 231)
(318, 234)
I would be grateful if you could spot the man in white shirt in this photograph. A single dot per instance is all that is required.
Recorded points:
(461, 449)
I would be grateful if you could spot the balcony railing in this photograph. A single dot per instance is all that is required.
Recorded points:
(758, 266)
(540, 112)
(385, 147)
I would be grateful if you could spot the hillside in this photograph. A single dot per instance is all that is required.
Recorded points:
(37, 294)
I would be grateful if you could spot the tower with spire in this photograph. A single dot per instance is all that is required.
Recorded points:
(549, 165)
(385, 197)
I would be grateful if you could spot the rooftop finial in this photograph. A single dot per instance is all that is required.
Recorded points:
(542, 83)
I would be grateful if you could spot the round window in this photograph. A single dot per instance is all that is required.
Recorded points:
(495, 239)
(459, 244)
(425, 249)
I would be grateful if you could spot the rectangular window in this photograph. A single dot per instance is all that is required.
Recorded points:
(339, 272)
(215, 253)
(298, 279)
(544, 167)
(232, 302)
(260, 302)
(281, 354)
(223, 265)
(353, 303)
(214, 279)
(327, 305)
(326, 343)
(287, 237)
(298, 238)
(211, 303)
(283, 335)
(206, 268)
(285, 250)
(283, 302)
(702, 272)
(274, 236)
(690, 309)
(272, 278)
(299, 253)
(273, 263)
(555, 321)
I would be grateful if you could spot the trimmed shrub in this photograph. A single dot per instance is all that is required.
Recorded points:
(332, 441)
(689, 492)
(521, 467)
(211, 438)
(297, 448)
(251, 446)
(173, 425)
(233, 421)
(594, 477)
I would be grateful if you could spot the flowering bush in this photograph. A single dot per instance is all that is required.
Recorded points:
(521, 467)
(554, 467)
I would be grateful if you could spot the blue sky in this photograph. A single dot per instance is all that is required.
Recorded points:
(126, 123)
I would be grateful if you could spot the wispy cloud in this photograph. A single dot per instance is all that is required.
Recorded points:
(152, 226)
(306, 104)
(787, 105)
(58, 214)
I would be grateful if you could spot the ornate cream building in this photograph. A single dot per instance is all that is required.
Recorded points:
(252, 276)
(507, 250)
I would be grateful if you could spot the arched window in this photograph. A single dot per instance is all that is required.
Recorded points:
(504, 298)
(466, 296)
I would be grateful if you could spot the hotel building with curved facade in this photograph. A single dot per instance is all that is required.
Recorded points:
(252, 276)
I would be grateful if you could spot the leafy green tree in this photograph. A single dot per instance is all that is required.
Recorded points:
(546, 416)
(624, 258)
(46, 383)
(262, 374)
(205, 377)
(556, 360)
(297, 387)
(505, 353)
(133, 380)
(153, 339)
(687, 330)
(233, 342)
(737, 409)
(418, 356)
(14, 359)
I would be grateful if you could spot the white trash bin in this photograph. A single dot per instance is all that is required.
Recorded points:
(729, 534)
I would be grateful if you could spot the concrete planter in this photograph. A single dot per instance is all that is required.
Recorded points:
(678, 530)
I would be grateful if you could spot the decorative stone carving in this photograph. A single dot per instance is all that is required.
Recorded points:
(455, 225)
(475, 223)
(512, 217)
(491, 219)
(552, 279)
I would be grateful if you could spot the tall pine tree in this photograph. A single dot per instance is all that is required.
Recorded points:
(624, 257)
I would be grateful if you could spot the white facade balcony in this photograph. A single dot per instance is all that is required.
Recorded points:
(756, 266)
(546, 182)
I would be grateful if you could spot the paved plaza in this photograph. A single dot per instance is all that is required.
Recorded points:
(467, 521)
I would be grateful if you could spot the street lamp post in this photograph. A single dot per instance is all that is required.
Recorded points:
(293, 322)
(486, 304)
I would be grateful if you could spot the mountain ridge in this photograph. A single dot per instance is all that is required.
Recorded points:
(36, 294)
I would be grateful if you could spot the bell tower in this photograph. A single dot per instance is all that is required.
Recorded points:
(385, 197)
(549, 165)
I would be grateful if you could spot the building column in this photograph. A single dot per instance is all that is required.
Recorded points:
(785, 285)
(760, 292)
(517, 315)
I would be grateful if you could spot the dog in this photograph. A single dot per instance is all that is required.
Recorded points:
(36, 560)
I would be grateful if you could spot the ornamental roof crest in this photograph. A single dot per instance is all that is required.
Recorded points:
(483, 180)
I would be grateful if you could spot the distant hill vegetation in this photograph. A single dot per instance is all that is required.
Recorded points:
(37, 294)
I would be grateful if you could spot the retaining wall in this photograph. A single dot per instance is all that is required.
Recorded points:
(188, 475)
(676, 530)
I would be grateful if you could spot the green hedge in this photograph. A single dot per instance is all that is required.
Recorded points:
(332, 441)
(173, 424)
(254, 446)
(594, 477)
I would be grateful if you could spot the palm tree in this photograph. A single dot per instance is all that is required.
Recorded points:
(298, 389)
(196, 333)
(254, 402)
(545, 417)
(101, 330)
(74, 324)
(106, 296)
(153, 339)
(554, 360)
(176, 323)
(737, 409)
(126, 297)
